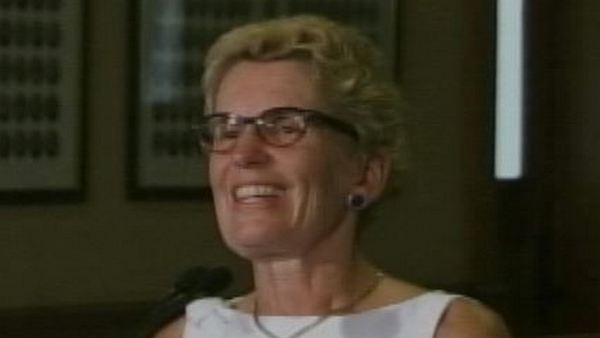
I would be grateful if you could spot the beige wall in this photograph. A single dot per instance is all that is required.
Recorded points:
(110, 249)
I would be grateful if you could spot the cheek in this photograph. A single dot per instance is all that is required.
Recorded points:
(216, 177)
(215, 173)
(330, 179)
(337, 168)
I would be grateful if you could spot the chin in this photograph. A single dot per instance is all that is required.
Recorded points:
(252, 238)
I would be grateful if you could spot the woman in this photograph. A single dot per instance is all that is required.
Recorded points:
(302, 133)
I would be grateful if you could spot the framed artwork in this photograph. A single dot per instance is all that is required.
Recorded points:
(42, 64)
(171, 38)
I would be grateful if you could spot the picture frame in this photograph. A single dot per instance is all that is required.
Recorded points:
(170, 40)
(42, 101)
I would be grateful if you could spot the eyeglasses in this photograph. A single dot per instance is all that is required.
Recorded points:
(279, 127)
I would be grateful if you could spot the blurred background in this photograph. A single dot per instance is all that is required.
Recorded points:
(530, 248)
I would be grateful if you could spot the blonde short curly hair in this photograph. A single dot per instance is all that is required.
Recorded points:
(347, 67)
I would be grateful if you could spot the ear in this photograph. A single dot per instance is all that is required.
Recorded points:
(375, 173)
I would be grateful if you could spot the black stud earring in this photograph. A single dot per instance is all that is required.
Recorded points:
(357, 201)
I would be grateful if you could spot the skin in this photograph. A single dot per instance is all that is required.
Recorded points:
(301, 241)
(313, 191)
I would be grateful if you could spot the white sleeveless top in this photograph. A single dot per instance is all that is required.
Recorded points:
(417, 317)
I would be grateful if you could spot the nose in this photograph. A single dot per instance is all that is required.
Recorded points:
(249, 149)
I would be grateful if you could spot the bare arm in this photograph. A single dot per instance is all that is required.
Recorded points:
(469, 319)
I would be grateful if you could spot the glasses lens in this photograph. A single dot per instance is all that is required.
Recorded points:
(282, 127)
(219, 133)
(278, 127)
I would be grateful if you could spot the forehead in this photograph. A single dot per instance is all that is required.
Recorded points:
(250, 87)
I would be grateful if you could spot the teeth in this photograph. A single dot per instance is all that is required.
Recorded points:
(248, 191)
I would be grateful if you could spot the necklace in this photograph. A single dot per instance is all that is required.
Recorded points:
(268, 333)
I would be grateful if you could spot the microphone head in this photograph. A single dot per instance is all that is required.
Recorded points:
(189, 279)
(202, 281)
(193, 283)
(218, 279)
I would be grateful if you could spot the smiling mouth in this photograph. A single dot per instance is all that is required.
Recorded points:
(255, 192)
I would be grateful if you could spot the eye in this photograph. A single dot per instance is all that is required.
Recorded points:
(283, 121)
(227, 128)
(221, 127)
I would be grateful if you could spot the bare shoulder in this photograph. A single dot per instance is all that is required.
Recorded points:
(172, 330)
(468, 318)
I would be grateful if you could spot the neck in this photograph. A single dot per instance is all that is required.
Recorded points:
(297, 288)
(312, 281)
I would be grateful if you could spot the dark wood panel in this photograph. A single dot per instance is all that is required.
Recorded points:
(90, 321)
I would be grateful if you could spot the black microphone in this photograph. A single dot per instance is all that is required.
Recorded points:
(216, 280)
(189, 281)
(193, 283)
